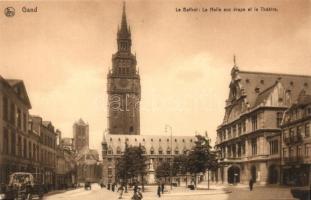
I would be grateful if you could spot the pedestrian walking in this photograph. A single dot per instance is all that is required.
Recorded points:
(113, 186)
(159, 191)
(137, 194)
(162, 188)
(121, 190)
(251, 183)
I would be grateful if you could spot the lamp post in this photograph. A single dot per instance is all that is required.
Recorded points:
(171, 159)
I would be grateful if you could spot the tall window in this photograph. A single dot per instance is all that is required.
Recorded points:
(229, 133)
(274, 147)
(29, 150)
(234, 130)
(254, 146)
(5, 141)
(299, 151)
(19, 118)
(279, 116)
(254, 122)
(12, 113)
(307, 150)
(239, 128)
(19, 146)
(307, 130)
(244, 126)
(224, 134)
(24, 121)
(25, 148)
(5, 108)
(13, 143)
(34, 152)
(285, 153)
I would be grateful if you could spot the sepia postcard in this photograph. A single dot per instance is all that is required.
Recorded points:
(141, 99)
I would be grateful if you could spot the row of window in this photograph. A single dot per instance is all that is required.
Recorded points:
(17, 145)
(14, 115)
(297, 151)
(239, 128)
(126, 139)
(233, 131)
(152, 151)
(298, 113)
(300, 130)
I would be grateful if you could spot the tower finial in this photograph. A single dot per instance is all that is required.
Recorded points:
(234, 60)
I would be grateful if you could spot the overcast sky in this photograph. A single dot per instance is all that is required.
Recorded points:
(63, 52)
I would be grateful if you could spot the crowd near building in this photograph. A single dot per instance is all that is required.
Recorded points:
(265, 134)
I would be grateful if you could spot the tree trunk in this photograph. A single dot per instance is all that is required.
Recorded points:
(195, 180)
(208, 179)
(142, 183)
(186, 181)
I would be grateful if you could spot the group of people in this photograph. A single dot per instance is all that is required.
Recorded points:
(160, 189)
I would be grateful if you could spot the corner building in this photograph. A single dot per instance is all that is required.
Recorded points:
(296, 142)
(249, 138)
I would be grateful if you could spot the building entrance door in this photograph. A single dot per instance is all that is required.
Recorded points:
(273, 175)
(254, 173)
(233, 175)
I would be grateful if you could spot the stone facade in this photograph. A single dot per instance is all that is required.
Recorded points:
(296, 142)
(15, 151)
(123, 86)
(88, 166)
(28, 143)
(157, 148)
(249, 139)
(80, 135)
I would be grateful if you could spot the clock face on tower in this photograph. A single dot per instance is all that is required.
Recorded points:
(123, 83)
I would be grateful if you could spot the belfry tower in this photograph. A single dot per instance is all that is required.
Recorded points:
(123, 86)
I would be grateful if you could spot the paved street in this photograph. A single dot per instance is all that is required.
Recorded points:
(239, 192)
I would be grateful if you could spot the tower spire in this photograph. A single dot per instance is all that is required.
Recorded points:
(234, 60)
(124, 31)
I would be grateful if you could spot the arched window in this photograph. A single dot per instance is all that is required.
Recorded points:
(168, 150)
(118, 150)
(176, 150)
(160, 151)
(143, 149)
(110, 150)
(151, 150)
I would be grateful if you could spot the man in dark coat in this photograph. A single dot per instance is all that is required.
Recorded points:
(162, 188)
(251, 183)
(159, 191)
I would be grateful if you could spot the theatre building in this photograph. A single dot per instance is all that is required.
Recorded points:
(249, 138)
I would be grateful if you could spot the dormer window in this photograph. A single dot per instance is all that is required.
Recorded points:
(262, 81)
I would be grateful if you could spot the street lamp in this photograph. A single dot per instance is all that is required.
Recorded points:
(168, 126)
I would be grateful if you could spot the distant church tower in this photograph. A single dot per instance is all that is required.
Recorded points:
(123, 86)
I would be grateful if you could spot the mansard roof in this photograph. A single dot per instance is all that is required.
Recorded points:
(148, 142)
(266, 81)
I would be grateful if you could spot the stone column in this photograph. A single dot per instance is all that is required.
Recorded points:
(246, 148)
(225, 174)
(262, 173)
